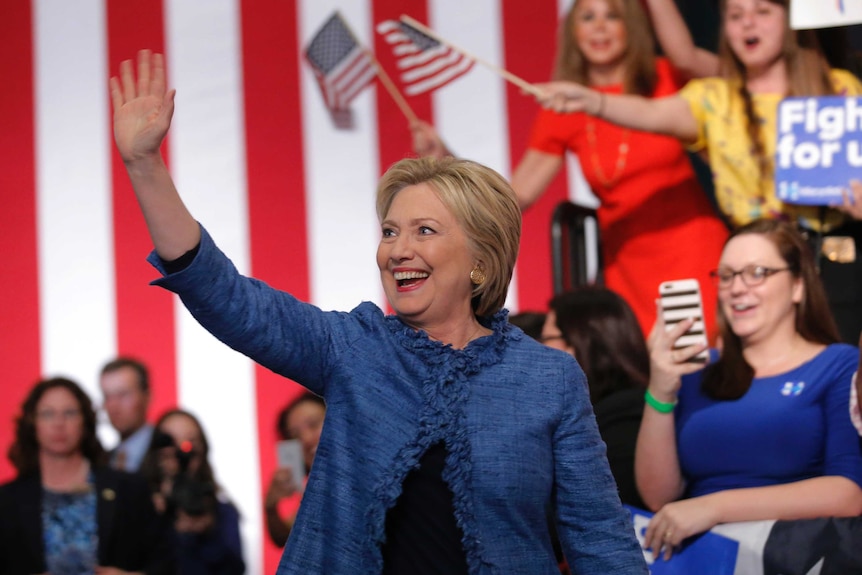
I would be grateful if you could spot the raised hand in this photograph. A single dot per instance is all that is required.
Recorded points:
(142, 108)
(852, 204)
(668, 365)
(280, 487)
(426, 140)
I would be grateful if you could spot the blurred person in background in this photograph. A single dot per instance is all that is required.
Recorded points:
(125, 384)
(185, 491)
(302, 420)
(66, 512)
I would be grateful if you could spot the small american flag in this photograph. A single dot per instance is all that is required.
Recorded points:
(424, 63)
(342, 67)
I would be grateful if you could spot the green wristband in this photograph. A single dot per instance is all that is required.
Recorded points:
(659, 406)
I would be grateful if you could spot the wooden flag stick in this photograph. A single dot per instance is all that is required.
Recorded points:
(523, 84)
(393, 91)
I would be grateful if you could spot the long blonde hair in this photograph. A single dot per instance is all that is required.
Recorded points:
(807, 74)
(640, 74)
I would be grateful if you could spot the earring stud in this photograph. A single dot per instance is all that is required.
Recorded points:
(477, 276)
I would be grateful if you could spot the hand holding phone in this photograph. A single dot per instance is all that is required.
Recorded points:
(681, 300)
(290, 456)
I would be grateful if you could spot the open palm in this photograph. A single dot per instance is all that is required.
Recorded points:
(142, 108)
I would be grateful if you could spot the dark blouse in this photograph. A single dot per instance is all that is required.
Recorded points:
(422, 537)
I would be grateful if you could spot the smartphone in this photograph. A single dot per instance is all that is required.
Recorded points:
(681, 300)
(289, 452)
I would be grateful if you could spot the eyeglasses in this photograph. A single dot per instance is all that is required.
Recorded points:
(50, 416)
(751, 275)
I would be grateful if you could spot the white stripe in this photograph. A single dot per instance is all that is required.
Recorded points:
(356, 85)
(76, 269)
(423, 56)
(342, 169)
(432, 67)
(475, 127)
(401, 49)
(442, 78)
(208, 162)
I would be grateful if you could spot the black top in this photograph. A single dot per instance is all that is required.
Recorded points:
(422, 537)
(619, 418)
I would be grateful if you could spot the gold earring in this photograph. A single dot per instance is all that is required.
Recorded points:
(477, 276)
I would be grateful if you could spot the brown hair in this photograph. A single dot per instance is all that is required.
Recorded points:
(24, 452)
(640, 74)
(731, 376)
(807, 75)
(606, 338)
(485, 206)
(137, 366)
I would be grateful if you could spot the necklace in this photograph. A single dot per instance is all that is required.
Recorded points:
(622, 156)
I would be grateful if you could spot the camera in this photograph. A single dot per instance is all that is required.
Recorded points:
(190, 495)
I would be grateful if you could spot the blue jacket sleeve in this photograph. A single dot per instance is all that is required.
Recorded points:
(596, 531)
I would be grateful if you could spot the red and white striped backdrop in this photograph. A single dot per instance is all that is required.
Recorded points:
(255, 155)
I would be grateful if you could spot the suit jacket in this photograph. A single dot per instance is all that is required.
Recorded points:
(132, 536)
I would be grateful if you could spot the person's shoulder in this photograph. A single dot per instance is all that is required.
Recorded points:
(709, 85)
(845, 83)
(109, 478)
(839, 354)
(16, 489)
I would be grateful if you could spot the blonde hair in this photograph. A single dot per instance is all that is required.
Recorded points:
(482, 202)
(640, 74)
(807, 74)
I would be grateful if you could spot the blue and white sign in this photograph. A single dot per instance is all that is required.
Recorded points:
(706, 554)
(819, 149)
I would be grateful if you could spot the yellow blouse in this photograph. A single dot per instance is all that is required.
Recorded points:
(742, 192)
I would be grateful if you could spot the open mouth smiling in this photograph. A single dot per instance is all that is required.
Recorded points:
(409, 278)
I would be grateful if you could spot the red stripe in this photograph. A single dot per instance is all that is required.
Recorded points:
(276, 184)
(145, 315)
(532, 24)
(19, 290)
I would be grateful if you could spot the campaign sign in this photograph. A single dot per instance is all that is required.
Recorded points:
(819, 149)
(706, 554)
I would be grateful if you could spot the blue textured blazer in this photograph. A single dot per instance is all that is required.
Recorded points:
(515, 417)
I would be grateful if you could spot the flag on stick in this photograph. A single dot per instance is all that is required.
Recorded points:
(424, 63)
(508, 76)
(341, 65)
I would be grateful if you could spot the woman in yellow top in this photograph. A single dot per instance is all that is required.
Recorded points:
(731, 118)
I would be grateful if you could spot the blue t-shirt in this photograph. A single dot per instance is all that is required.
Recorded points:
(786, 428)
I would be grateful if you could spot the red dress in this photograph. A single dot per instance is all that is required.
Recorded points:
(655, 220)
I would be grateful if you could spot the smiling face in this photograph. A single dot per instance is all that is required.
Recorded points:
(600, 32)
(59, 423)
(755, 313)
(755, 31)
(425, 260)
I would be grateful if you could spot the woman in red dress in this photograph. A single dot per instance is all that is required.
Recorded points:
(655, 221)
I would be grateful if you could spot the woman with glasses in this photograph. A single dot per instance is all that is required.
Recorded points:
(67, 512)
(763, 432)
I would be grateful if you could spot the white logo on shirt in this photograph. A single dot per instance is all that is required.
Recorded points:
(793, 388)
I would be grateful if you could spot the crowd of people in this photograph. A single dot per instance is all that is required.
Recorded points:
(457, 438)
